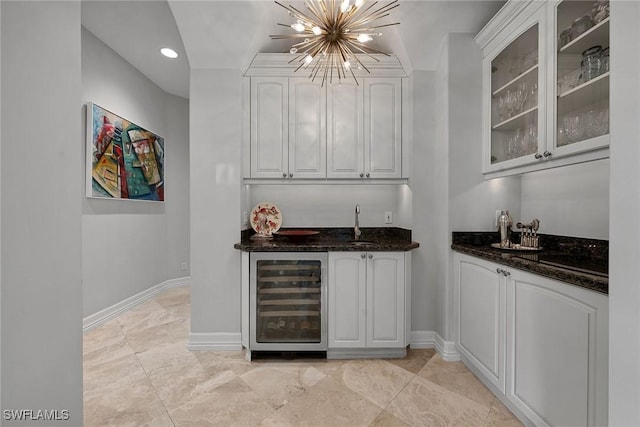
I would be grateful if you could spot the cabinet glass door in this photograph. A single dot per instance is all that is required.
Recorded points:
(514, 99)
(582, 75)
(288, 301)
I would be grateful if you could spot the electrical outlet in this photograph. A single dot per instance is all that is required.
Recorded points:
(388, 217)
(183, 266)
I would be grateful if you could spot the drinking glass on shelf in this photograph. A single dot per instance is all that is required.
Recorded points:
(573, 124)
(601, 122)
(522, 94)
(532, 96)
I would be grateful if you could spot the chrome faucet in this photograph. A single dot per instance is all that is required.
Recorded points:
(356, 229)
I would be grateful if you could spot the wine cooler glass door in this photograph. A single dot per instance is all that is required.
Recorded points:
(288, 302)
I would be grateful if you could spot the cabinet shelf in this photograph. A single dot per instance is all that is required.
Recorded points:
(289, 291)
(519, 78)
(287, 267)
(516, 122)
(278, 279)
(596, 35)
(589, 92)
(290, 313)
(303, 301)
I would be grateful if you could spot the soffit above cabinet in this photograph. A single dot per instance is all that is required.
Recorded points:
(278, 64)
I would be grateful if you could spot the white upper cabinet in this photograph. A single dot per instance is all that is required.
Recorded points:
(345, 142)
(307, 128)
(546, 95)
(383, 128)
(269, 127)
(301, 129)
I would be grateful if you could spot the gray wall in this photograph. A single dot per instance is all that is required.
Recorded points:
(624, 251)
(569, 201)
(130, 246)
(423, 186)
(215, 177)
(41, 208)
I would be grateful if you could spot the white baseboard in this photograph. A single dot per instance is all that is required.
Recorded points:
(102, 316)
(215, 341)
(431, 339)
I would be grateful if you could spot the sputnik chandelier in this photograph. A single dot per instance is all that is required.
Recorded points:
(332, 32)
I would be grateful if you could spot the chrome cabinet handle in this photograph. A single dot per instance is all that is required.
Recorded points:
(503, 272)
(546, 154)
(370, 256)
(290, 175)
(361, 175)
(538, 156)
(363, 256)
(368, 175)
(284, 175)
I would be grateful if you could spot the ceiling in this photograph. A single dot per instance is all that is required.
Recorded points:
(227, 34)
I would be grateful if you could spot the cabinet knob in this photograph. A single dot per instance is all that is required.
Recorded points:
(370, 256)
(368, 175)
(361, 175)
(290, 175)
(363, 256)
(284, 175)
(538, 156)
(546, 154)
(499, 270)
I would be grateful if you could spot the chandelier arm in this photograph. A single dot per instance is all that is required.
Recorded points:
(320, 18)
(302, 15)
(380, 13)
(367, 50)
(368, 29)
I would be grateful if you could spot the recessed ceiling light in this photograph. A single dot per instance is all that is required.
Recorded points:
(168, 52)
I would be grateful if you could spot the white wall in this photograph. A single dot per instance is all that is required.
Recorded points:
(470, 201)
(569, 201)
(624, 251)
(215, 177)
(423, 187)
(333, 205)
(130, 246)
(41, 209)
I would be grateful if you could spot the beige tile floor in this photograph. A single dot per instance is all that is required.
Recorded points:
(138, 372)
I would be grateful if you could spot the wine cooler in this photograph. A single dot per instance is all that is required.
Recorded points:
(288, 301)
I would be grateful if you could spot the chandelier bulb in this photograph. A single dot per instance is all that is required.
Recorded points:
(345, 6)
(298, 27)
(347, 64)
(308, 59)
(363, 38)
(316, 30)
(293, 50)
(359, 3)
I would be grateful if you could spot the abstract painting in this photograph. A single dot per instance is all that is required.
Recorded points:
(124, 160)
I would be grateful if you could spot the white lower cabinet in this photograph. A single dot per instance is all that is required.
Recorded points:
(480, 295)
(542, 343)
(367, 304)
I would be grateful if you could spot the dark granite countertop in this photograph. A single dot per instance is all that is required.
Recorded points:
(580, 262)
(332, 239)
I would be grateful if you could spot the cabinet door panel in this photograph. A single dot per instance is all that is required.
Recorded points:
(347, 300)
(345, 146)
(269, 127)
(481, 307)
(552, 342)
(307, 129)
(383, 127)
(385, 300)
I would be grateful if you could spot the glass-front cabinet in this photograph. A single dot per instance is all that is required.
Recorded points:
(515, 75)
(545, 85)
(581, 113)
